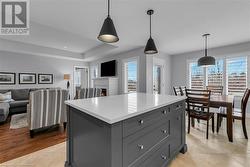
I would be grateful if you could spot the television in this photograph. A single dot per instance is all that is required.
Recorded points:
(108, 69)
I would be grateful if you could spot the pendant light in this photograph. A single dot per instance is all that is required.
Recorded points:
(150, 47)
(206, 60)
(108, 33)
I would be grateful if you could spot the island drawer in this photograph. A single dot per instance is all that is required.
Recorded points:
(178, 107)
(159, 157)
(138, 144)
(135, 124)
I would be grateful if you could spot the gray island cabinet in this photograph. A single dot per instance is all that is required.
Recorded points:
(130, 130)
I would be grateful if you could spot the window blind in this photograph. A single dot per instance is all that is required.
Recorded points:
(196, 76)
(236, 75)
(215, 74)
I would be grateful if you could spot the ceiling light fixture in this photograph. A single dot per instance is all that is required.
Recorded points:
(150, 47)
(108, 33)
(206, 60)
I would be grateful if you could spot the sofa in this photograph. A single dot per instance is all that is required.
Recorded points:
(21, 99)
(4, 111)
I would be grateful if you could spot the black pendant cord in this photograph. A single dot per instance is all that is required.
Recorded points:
(206, 49)
(150, 29)
(206, 45)
(108, 8)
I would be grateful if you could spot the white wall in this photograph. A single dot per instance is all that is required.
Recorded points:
(145, 75)
(18, 63)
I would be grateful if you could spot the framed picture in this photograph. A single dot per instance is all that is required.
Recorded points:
(45, 78)
(7, 78)
(27, 78)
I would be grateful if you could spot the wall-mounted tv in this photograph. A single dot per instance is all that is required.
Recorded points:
(108, 69)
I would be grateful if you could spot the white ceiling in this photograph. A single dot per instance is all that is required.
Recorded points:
(178, 25)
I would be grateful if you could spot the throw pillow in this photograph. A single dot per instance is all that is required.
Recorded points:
(5, 97)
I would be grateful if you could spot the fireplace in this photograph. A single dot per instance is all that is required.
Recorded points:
(109, 85)
(104, 92)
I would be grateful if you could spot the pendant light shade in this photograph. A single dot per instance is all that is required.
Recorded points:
(206, 60)
(108, 33)
(150, 46)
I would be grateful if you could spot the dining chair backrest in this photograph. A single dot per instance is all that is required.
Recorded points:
(244, 101)
(177, 91)
(198, 100)
(215, 90)
(183, 90)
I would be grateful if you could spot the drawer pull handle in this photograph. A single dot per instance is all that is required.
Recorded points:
(141, 147)
(178, 107)
(164, 112)
(164, 157)
(164, 131)
(141, 122)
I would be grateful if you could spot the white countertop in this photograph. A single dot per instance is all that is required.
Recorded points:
(112, 109)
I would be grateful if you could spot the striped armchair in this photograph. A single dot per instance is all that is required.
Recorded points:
(46, 108)
(88, 93)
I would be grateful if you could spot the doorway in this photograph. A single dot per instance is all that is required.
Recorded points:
(130, 72)
(81, 78)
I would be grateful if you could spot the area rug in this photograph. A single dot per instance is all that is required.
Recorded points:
(18, 121)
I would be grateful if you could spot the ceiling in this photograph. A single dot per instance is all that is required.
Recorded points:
(178, 25)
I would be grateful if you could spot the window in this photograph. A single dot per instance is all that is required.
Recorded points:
(130, 76)
(233, 70)
(196, 76)
(215, 74)
(236, 75)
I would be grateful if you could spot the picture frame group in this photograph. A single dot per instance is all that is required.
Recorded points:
(9, 78)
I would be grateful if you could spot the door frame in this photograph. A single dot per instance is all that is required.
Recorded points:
(74, 69)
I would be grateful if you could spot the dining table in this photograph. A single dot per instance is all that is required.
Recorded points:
(227, 101)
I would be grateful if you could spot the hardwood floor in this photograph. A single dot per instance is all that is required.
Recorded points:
(217, 151)
(16, 143)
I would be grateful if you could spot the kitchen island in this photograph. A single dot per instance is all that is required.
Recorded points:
(129, 130)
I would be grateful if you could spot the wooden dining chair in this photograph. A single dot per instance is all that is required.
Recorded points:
(177, 91)
(215, 90)
(198, 102)
(237, 113)
(183, 90)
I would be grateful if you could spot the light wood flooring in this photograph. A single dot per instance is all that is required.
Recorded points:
(214, 152)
